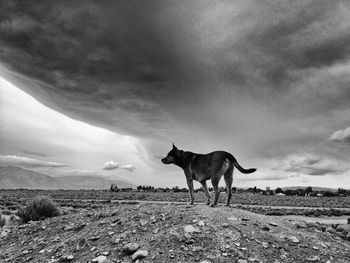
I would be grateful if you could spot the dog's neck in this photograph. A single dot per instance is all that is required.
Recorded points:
(183, 159)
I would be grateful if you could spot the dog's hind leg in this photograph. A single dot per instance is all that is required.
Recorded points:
(206, 192)
(228, 180)
(215, 183)
(190, 190)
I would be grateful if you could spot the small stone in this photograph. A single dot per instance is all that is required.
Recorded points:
(111, 233)
(155, 231)
(225, 225)
(139, 254)
(242, 261)
(265, 228)
(130, 248)
(294, 239)
(175, 234)
(68, 228)
(143, 222)
(190, 229)
(314, 258)
(315, 248)
(70, 257)
(105, 253)
(331, 230)
(93, 249)
(301, 224)
(99, 259)
(42, 251)
(195, 249)
(81, 244)
(201, 223)
(273, 224)
(265, 245)
(94, 238)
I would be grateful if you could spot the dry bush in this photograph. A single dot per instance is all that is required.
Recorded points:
(40, 208)
(2, 220)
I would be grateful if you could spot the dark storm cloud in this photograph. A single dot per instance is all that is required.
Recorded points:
(132, 66)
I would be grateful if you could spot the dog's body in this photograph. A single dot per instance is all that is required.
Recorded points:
(202, 167)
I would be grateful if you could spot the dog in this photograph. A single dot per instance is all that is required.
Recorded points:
(202, 167)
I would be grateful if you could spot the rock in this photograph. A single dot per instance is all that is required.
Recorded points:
(94, 238)
(294, 239)
(100, 259)
(69, 227)
(314, 258)
(195, 249)
(70, 257)
(93, 249)
(190, 229)
(79, 227)
(201, 223)
(265, 228)
(139, 254)
(130, 248)
(81, 244)
(331, 230)
(273, 224)
(344, 228)
(143, 223)
(301, 224)
(175, 234)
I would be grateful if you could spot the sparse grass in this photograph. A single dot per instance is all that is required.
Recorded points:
(40, 208)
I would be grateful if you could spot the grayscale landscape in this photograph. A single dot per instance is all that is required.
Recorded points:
(175, 131)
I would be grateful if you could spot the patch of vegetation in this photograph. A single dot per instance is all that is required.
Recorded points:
(40, 208)
(2, 220)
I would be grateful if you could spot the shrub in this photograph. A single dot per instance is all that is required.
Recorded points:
(2, 220)
(40, 208)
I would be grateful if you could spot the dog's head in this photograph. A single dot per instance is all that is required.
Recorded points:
(171, 156)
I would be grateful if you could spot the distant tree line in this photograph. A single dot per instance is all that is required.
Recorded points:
(308, 191)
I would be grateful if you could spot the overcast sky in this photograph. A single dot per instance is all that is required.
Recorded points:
(105, 87)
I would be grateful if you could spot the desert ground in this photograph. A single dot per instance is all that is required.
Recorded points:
(100, 226)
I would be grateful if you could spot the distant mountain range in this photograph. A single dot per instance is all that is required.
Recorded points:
(13, 177)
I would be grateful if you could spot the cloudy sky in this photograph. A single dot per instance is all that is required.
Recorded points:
(105, 87)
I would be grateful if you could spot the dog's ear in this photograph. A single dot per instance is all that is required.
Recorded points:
(174, 147)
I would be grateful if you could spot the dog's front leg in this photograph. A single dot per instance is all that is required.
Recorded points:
(190, 190)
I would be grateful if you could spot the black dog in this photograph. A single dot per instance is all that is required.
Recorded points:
(202, 167)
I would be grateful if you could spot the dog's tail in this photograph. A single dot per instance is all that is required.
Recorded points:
(240, 168)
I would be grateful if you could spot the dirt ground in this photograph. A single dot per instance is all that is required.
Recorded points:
(170, 233)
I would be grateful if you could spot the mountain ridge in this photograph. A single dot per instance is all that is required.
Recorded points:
(14, 177)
